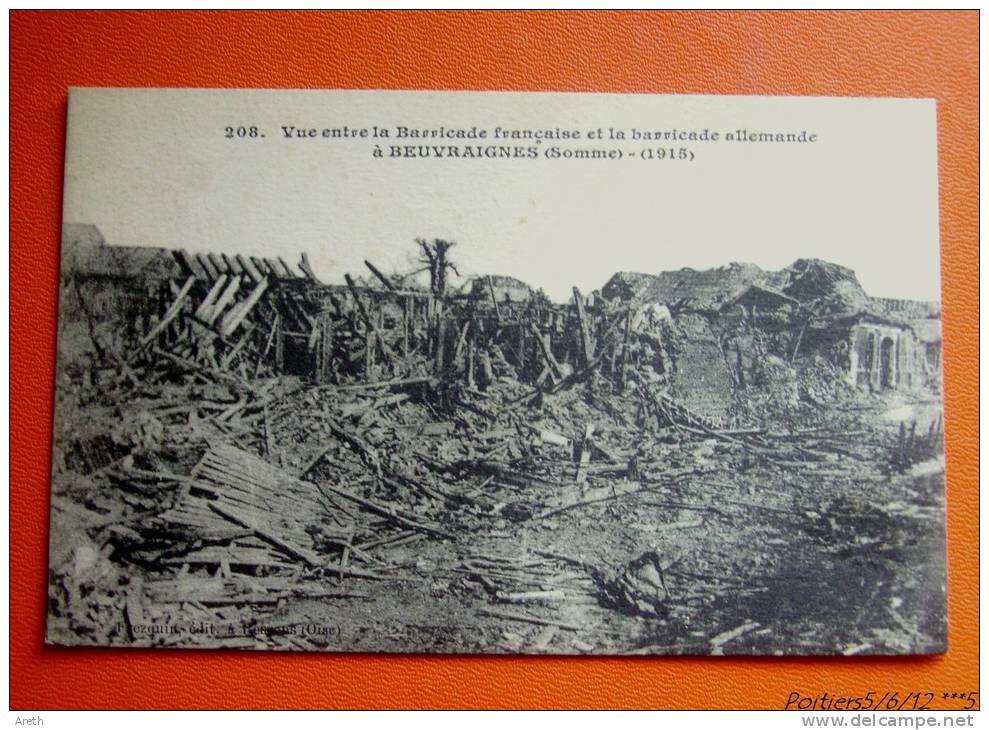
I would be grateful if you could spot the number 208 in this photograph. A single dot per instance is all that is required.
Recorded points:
(242, 132)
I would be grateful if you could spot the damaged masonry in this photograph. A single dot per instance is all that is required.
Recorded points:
(731, 461)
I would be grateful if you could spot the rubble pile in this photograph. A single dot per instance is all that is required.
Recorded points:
(394, 466)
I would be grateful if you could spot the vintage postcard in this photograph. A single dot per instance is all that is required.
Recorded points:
(499, 373)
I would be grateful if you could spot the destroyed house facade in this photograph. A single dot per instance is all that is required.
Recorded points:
(889, 355)
(810, 308)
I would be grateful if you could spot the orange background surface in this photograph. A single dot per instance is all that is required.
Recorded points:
(913, 54)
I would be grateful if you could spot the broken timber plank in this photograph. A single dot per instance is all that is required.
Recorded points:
(718, 642)
(586, 343)
(368, 321)
(388, 512)
(289, 274)
(249, 269)
(390, 384)
(381, 277)
(174, 308)
(221, 303)
(232, 264)
(557, 387)
(286, 547)
(309, 558)
(191, 265)
(274, 269)
(306, 268)
(494, 298)
(204, 262)
(261, 266)
(232, 353)
(532, 596)
(352, 440)
(526, 619)
(554, 366)
(272, 334)
(232, 319)
(633, 488)
(211, 296)
(218, 263)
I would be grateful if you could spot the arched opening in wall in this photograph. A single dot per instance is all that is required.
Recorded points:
(864, 352)
(887, 364)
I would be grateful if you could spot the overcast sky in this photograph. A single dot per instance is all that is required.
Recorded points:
(152, 167)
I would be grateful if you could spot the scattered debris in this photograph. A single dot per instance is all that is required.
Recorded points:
(721, 640)
(277, 461)
(639, 588)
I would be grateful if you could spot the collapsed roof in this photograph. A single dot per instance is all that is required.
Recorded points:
(824, 288)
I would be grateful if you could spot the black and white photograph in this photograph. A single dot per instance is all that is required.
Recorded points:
(498, 373)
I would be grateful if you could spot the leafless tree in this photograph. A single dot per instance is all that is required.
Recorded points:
(435, 259)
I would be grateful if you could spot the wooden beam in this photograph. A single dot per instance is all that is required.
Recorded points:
(494, 297)
(389, 512)
(381, 277)
(368, 322)
(370, 348)
(249, 269)
(586, 344)
(221, 303)
(218, 263)
(274, 269)
(173, 310)
(325, 361)
(232, 353)
(261, 265)
(232, 266)
(237, 313)
(279, 344)
(306, 268)
(554, 366)
(211, 297)
(407, 322)
(272, 333)
(189, 263)
(211, 271)
(309, 558)
(289, 274)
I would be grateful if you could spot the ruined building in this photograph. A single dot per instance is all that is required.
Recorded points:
(699, 337)
(235, 441)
